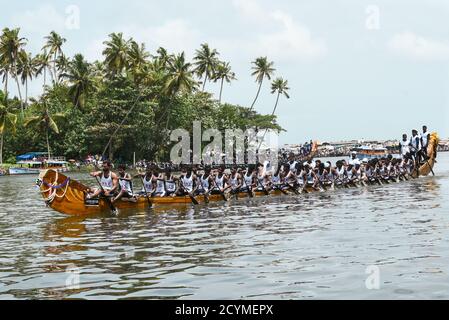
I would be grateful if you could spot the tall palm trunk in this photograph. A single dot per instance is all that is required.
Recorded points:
(6, 84)
(1, 148)
(54, 68)
(221, 89)
(276, 105)
(274, 111)
(45, 77)
(18, 86)
(26, 92)
(48, 145)
(204, 83)
(169, 112)
(257, 96)
(20, 94)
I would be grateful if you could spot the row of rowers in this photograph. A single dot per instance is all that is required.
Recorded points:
(292, 175)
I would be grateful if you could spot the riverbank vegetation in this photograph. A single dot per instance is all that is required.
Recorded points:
(125, 103)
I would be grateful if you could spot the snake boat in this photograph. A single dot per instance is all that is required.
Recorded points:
(68, 196)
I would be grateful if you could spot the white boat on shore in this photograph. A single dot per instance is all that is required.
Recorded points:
(32, 164)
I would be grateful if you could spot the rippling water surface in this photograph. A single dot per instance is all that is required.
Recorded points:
(316, 246)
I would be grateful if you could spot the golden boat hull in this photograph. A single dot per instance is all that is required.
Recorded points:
(68, 196)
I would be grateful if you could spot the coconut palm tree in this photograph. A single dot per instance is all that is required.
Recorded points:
(279, 86)
(178, 79)
(27, 69)
(8, 121)
(10, 46)
(42, 65)
(262, 69)
(4, 72)
(53, 46)
(79, 78)
(44, 123)
(62, 63)
(116, 53)
(206, 62)
(180, 76)
(223, 73)
(138, 61)
(137, 55)
(162, 56)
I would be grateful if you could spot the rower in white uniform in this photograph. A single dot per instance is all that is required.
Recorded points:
(108, 181)
(204, 183)
(126, 187)
(170, 183)
(234, 181)
(187, 185)
(160, 185)
(219, 180)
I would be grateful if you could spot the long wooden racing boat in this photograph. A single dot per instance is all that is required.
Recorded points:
(68, 196)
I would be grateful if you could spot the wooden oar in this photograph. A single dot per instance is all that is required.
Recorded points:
(206, 198)
(291, 187)
(430, 167)
(281, 190)
(250, 193)
(150, 204)
(194, 201)
(263, 188)
(219, 190)
(114, 210)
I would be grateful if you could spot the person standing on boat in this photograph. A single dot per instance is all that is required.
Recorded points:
(108, 181)
(404, 146)
(425, 137)
(415, 144)
(125, 184)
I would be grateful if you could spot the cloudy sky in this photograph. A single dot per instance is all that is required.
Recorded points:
(357, 69)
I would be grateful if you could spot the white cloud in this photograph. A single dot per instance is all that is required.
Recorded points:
(251, 10)
(40, 20)
(418, 48)
(175, 35)
(36, 23)
(291, 40)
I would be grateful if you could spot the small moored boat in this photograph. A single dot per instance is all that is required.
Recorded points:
(35, 162)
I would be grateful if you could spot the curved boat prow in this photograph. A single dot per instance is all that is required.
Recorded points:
(63, 194)
(427, 167)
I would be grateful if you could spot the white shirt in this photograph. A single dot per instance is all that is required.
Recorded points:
(405, 147)
(425, 138)
(354, 161)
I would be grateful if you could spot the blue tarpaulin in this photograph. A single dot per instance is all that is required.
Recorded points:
(30, 156)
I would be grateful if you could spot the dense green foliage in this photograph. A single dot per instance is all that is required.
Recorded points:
(125, 103)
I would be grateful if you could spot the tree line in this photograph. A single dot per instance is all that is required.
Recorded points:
(126, 102)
